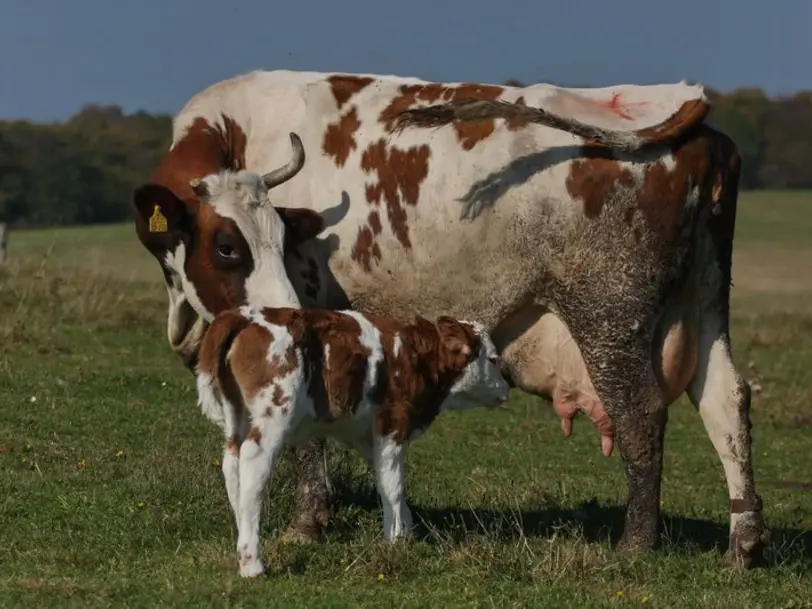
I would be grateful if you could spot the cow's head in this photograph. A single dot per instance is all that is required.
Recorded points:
(223, 244)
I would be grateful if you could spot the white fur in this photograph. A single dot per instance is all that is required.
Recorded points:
(245, 476)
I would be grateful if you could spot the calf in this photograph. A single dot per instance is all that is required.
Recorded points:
(288, 375)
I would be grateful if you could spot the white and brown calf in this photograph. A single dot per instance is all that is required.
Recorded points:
(285, 376)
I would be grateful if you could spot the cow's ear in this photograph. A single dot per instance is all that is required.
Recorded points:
(160, 217)
(300, 224)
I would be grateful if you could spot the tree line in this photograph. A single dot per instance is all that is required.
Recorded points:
(83, 170)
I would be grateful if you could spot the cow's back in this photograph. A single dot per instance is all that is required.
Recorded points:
(465, 220)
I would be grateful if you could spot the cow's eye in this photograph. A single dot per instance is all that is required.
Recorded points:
(226, 249)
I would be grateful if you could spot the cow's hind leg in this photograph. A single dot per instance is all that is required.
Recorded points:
(722, 397)
(312, 494)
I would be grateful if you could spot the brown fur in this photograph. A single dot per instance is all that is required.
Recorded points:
(344, 86)
(339, 138)
(593, 180)
(400, 175)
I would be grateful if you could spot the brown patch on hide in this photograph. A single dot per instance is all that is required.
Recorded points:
(279, 398)
(248, 359)
(337, 362)
(594, 180)
(470, 133)
(203, 149)
(418, 380)
(254, 435)
(400, 174)
(664, 194)
(344, 86)
(339, 138)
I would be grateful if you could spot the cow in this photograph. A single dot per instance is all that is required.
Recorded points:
(590, 230)
(288, 375)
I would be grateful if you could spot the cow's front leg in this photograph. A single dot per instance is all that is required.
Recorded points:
(313, 495)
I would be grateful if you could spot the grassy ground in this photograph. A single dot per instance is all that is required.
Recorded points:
(111, 494)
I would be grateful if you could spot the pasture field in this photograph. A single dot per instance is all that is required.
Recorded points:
(111, 492)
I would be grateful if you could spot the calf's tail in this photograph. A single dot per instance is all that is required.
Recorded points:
(212, 365)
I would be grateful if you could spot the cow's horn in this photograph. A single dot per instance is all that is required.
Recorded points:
(286, 172)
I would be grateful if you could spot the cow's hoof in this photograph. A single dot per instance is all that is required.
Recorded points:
(636, 543)
(747, 543)
(304, 533)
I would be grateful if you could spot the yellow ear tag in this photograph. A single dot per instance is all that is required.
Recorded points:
(157, 221)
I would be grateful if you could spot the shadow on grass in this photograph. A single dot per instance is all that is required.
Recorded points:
(589, 521)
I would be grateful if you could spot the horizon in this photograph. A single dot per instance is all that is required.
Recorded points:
(154, 56)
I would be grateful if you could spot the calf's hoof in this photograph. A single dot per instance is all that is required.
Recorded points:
(251, 569)
(250, 565)
(747, 543)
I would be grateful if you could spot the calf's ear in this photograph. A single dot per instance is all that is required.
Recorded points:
(300, 224)
(160, 217)
(454, 336)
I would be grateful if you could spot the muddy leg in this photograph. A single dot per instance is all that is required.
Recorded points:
(722, 397)
(622, 373)
(312, 493)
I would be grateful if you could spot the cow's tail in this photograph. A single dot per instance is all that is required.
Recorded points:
(724, 197)
(212, 365)
(690, 114)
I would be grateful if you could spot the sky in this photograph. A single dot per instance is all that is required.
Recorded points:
(57, 55)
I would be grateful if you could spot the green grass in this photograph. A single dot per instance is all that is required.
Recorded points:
(110, 493)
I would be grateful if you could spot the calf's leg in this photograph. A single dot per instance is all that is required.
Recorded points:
(235, 433)
(389, 459)
(258, 455)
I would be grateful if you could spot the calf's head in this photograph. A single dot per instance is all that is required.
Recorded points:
(221, 241)
(468, 354)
